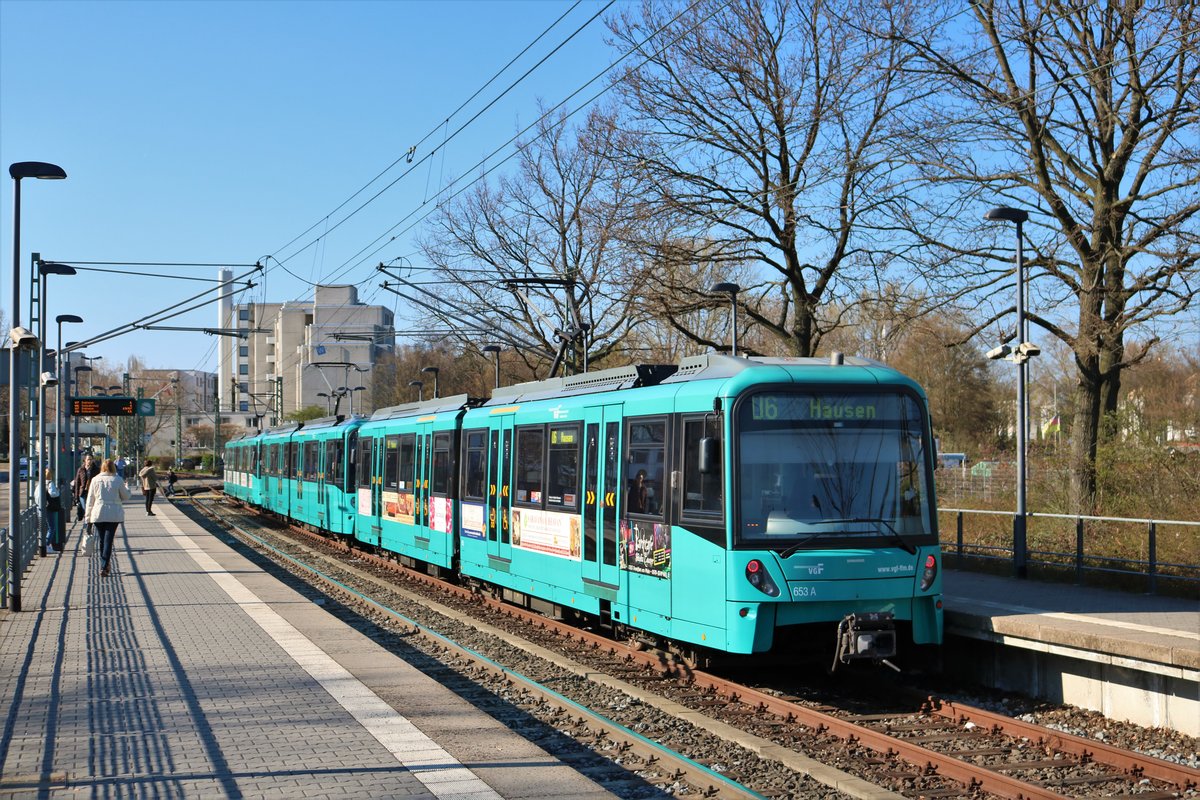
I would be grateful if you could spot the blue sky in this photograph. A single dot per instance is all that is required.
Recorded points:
(217, 132)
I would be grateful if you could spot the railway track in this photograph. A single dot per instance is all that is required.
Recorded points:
(777, 744)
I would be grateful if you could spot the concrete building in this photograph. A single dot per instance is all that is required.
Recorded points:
(321, 352)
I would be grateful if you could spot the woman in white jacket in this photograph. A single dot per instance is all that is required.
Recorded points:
(105, 510)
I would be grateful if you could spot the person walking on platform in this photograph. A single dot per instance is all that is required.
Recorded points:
(105, 510)
(46, 495)
(172, 478)
(79, 486)
(149, 484)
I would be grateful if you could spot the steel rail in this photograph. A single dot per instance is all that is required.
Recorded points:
(930, 761)
(1136, 764)
(654, 755)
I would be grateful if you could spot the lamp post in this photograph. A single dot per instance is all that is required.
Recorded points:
(45, 268)
(494, 349)
(1024, 350)
(420, 390)
(60, 418)
(732, 290)
(18, 171)
(434, 372)
(75, 393)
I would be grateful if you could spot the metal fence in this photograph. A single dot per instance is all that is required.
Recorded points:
(28, 525)
(1081, 544)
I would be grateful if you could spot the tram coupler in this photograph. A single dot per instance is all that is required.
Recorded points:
(861, 636)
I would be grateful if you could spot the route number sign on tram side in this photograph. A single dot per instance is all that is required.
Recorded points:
(111, 407)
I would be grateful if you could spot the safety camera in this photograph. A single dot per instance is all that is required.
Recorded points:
(997, 353)
(49, 379)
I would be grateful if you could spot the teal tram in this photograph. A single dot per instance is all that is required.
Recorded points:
(723, 505)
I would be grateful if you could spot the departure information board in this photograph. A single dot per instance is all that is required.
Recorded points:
(103, 406)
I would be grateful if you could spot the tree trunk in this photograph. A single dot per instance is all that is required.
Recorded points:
(1084, 434)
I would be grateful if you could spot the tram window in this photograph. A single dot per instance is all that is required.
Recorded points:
(531, 446)
(441, 464)
(562, 479)
(333, 463)
(646, 458)
(364, 460)
(391, 463)
(403, 479)
(701, 492)
(474, 465)
(312, 460)
(293, 459)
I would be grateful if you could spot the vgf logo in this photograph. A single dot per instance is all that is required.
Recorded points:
(815, 569)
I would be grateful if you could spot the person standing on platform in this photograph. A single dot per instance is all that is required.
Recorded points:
(105, 510)
(121, 464)
(47, 496)
(79, 486)
(149, 484)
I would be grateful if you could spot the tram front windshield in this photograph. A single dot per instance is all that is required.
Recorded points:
(817, 470)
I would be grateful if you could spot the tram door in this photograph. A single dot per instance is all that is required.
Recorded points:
(369, 495)
(500, 457)
(602, 432)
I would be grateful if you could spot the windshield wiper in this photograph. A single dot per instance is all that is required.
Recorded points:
(908, 548)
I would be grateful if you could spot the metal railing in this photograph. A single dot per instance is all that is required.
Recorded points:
(1066, 548)
(28, 522)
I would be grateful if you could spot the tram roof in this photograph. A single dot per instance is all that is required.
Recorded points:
(708, 366)
(437, 405)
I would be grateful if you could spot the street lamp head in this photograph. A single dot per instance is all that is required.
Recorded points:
(430, 370)
(417, 384)
(36, 169)
(725, 287)
(22, 338)
(1006, 214)
(490, 348)
(61, 318)
(51, 268)
(81, 368)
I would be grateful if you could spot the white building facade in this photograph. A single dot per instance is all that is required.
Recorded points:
(321, 353)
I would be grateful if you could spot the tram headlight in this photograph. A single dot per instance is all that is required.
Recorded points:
(930, 572)
(756, 573)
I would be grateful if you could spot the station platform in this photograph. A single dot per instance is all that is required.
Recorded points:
(1132, 657)
(190, 672)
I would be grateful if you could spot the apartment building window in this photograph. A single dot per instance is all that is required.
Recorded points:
(244, 350)
(243, 315)
(244, 387)
(243, 369)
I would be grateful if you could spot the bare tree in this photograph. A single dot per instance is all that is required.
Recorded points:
(532, 259)
(765, 136)
(1086, 114)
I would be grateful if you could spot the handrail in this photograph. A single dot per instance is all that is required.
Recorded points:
(1151, 567)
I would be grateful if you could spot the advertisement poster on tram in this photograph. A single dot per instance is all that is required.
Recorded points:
(547, 532)
(472, 520)
(646, 548)
(439, 514)
(364, 502)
